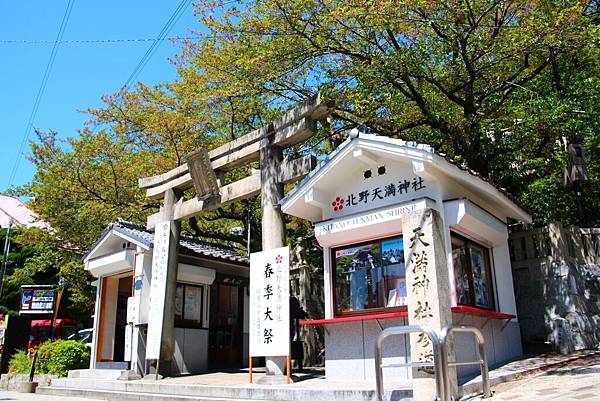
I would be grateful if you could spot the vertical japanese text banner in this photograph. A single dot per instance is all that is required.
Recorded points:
(158, 288)
(269, 302)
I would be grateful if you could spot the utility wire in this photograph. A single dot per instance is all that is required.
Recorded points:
(91, 41)
(41, 90)
(152, 49)
(156, 43)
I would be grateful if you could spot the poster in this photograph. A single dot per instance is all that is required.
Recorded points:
(269, 303)
(158, 288)
(37, 300)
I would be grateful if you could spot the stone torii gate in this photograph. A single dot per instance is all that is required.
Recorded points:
(204, 172)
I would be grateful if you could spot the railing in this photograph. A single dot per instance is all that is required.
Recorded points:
(440, 361)
(482, 361)
(398, 330)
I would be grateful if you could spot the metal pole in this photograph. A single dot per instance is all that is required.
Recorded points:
(398, 330)
(5, 255)
(482, 362)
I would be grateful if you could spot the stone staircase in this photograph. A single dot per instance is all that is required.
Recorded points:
(104, 386)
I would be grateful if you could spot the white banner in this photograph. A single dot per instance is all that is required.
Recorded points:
(270, 302)
(158, 288)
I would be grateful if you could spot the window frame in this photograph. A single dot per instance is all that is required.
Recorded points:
(182, 322)
(367, 311)
(487, 251)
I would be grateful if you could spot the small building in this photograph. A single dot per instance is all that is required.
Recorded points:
(384, 210)
(211, 305)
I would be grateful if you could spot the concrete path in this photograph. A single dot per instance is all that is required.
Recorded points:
(13, 395)
(577, 380)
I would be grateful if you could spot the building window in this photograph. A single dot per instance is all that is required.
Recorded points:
(188, 305)
(369, 276)
(472, 273)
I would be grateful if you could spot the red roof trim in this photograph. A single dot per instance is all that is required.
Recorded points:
(389, 315)
(371, 316)
(481, 312)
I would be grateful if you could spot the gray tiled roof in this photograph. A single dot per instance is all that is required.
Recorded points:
(187, 244)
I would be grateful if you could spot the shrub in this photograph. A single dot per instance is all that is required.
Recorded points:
(68, 355)
(19, 363)
(60, 356)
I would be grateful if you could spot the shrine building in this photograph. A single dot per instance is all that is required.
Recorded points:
(211, 303)
(409, 237)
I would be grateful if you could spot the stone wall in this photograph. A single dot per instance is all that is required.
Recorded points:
(556, 273)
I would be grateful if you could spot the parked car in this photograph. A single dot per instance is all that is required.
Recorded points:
(83, 335)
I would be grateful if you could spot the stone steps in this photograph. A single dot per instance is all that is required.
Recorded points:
(123, 395)
(148, 390)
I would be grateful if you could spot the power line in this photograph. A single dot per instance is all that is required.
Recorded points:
(152, 49)
(154, 46)
(41, 90)
(93, 41)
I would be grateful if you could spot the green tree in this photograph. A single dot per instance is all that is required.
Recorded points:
(497, 85)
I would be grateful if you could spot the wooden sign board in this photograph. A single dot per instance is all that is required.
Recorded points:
(158, 288)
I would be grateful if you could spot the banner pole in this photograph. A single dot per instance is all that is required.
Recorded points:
(250, 367)
(289, 368)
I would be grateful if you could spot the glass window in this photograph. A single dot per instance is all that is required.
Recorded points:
(472, 274)
(188, 306)
(370, 275)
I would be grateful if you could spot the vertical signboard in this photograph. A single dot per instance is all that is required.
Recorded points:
(158, 288)
(269, 303)
(3, 326)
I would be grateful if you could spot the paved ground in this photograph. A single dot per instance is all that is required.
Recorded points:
(11, 395)
(573, 381)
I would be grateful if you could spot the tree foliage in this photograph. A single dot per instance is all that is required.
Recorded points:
(498, 85)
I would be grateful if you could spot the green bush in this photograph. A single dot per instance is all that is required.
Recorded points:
(68, 355)
(19, 363)
(53, 357)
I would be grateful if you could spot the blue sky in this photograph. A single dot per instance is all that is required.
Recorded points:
(82, 72)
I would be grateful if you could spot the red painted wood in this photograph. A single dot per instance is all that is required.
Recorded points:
(481, 312)
(343, 319)
(457, 309)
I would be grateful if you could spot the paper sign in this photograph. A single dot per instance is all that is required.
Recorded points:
(270, 303)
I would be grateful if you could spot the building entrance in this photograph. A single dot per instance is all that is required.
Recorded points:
(226, 325)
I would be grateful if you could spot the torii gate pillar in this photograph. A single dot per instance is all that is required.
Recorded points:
(273, 229)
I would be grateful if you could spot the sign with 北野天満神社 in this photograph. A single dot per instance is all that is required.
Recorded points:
(269, 303)
(158, 288)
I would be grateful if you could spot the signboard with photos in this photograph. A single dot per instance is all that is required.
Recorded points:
(37, 299)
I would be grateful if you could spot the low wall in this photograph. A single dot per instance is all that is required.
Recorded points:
(11, 382)
(350, 351)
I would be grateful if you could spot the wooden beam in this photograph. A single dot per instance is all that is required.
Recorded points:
(182, 182)
(246, 187)
(293, 169)
(296, 132)
(291, 128)
(146, 182)
(241, 189)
